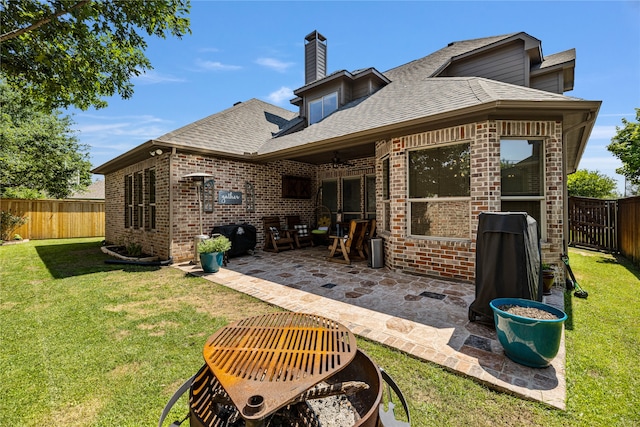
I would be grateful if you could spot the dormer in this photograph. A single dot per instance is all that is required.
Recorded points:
(322, 95)
(515, 59)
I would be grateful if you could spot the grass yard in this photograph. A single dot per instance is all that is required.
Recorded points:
(86, 343)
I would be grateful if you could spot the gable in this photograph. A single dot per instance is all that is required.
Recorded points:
(506, 64)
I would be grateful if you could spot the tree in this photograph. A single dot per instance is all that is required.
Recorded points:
(585, 183)
(39, 155)
(625, 145)
(72, 53)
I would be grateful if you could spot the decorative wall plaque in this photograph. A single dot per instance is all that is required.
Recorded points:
(229, 197)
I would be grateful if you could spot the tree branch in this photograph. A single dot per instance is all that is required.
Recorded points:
(19, 31)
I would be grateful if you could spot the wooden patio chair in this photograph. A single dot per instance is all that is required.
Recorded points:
(301, 233)
(349, 248)
(275, 238)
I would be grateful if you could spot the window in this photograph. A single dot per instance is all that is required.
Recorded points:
(370, 197)
(522, 177)
(385, 179)
(385, 194)
(439, 182)
(151, 197)
(330, 197)
(322, 107)
(128, 201)
(140, 200)
(351, 198)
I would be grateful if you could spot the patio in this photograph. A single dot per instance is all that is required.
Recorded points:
(425, 317)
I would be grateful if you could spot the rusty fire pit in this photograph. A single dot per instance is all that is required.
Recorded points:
(271, 368)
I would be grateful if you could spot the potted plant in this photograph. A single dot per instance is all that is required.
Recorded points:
(212, 251)
(529, 331)
(548, 277)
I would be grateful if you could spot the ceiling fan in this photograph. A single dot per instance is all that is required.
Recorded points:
(337, 163)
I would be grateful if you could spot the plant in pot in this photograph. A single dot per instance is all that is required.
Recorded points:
(212, 251)
(548, 277)
(529, 331)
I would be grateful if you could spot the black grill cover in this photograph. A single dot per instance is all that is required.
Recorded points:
(508, 261)
(242, 237)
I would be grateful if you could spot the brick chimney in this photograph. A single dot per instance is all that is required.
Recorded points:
(315, 57)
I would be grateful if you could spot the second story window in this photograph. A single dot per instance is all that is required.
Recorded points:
(322, 107)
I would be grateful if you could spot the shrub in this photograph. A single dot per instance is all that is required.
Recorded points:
(9, 222)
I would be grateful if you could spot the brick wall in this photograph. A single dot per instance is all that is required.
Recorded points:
(176, 200)
(177, 207)
(454, 258)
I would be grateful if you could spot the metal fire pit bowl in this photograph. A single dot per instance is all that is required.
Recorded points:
(265, 362)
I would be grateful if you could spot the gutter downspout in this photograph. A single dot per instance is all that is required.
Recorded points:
(170, 242)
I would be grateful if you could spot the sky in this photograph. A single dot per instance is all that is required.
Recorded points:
(242, 50)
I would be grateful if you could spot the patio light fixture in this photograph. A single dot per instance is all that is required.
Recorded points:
(198, 178)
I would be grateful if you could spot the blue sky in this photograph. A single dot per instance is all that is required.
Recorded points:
(242, 50)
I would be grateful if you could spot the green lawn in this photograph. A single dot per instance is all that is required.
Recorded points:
(86, 343)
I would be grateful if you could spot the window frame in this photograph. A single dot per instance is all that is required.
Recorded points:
(541, 199)
(386, 192)
(370, 214)
(436, 199)
(128, 201)
(357, 183)
(321, 100)
(150, 192)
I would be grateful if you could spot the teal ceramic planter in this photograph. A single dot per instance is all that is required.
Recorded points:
(530, 342)
(209, 262)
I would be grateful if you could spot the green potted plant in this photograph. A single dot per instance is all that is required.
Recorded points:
(548, 277)
(212, 251)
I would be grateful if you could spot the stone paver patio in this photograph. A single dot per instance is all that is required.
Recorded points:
(425, 317)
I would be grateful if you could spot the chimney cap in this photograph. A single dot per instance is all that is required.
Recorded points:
(315, 35)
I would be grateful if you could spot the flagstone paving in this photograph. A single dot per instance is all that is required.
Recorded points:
(423, 316)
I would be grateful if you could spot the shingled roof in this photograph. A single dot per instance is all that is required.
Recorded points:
(414, 96)
(240, 129)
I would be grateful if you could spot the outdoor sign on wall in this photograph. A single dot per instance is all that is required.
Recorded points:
(229, 197)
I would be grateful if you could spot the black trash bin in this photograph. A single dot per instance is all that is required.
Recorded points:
(507, 261)
(242, 237)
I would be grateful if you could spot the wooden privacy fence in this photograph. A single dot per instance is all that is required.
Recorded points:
(592, 223)
(57, 219)
(608, 225)
(629, 226)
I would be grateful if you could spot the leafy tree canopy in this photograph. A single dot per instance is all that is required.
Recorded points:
(39, 155)
(72, 53)
(625, 145)
(585, 183)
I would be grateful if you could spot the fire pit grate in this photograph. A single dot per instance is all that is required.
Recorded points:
(263, 363)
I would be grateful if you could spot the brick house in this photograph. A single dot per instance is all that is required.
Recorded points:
(479, 125)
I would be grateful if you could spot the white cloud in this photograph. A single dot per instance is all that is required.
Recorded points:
(274, 64)
(152, 77)
(280, 95)
(603, 132)
(215, 66)
(99, 131)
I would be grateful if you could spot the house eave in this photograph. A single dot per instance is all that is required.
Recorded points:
(497, 110)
